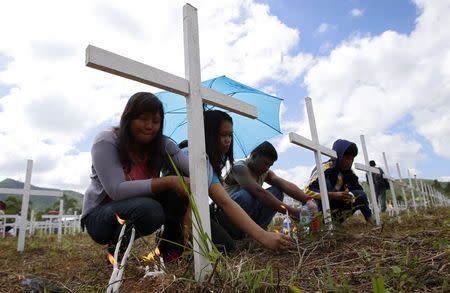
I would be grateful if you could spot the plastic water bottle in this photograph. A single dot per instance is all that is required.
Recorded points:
(305, 219)
(286, 225)
(314, 214)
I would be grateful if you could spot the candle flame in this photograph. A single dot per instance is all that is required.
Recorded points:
(120, 220)
(276, 231)
(111, 258)
(283, 207)
(157, 253)
(149, 257)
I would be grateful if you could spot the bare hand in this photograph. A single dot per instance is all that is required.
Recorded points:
(294, 212)
(177, 185)
(344, 196)
(274, 241)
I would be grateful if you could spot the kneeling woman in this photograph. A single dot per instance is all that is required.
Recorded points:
(126, 163)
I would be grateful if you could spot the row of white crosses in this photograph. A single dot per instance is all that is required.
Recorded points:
(319, 149)
(196, 95)
(26, 192)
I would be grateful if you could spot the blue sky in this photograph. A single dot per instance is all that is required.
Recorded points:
(378, 68)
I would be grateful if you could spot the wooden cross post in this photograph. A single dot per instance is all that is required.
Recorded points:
(191, 88)
(318, 150)
(387, 175)
(369, 170)
(402, 186)
(26, 192)
(411, 188)
(424, 194)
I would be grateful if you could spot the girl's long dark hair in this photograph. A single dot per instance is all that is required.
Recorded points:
(138, 104)
(212, 120)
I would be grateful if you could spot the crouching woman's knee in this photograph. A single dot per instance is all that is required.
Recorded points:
(149, 216)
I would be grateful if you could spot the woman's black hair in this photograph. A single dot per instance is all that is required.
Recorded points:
(212, 120)
(138, 104)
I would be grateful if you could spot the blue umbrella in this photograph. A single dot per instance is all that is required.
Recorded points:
(248, 133)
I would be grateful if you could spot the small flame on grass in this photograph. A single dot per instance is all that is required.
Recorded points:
(157, 253)
(120, 220)
(149, 257)
(276, 231)
(111, 258)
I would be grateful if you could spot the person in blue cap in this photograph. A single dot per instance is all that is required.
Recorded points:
(344, 191)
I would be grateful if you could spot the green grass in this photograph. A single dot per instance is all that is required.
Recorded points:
(406, 257)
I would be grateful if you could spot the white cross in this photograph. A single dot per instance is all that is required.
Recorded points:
(387, 175)
(26, 192)
(424, 194)
(411, 187)
(369, 169)
(191, 88)
(402, 186)
(318, 150)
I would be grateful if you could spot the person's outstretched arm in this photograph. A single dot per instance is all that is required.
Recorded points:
(286, 186)
(241, 220)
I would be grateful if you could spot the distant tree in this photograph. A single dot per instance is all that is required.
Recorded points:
(13, 205)
(70, 204)
(447, 188)
(436, 185)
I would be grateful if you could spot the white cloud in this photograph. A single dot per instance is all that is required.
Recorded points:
(444, 179)
(298, 175)
(355, 12)
(323, 28)
(367, 85)
(54, 99)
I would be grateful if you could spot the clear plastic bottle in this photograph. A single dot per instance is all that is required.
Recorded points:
(286, 225)
(314, 214)
(305, 219)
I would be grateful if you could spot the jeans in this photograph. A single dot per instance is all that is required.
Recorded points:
(257, 211)
(340, 210)
(145, 214)
(381, 197)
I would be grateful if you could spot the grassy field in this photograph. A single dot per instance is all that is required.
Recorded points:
(413, 255)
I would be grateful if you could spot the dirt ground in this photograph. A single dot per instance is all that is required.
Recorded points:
(413, 255)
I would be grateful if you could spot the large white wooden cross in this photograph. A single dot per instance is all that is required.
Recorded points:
(369, 170)
(318, 150)
(387, 175)
(26, 192)
(402, 186)
(191, 88)
(411, 188)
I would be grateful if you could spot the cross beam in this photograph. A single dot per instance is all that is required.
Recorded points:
(318, 150)
(369, 169)
(191, 88)
(26, 192)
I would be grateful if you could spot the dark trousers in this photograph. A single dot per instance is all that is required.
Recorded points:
(340, 210)
(145, 214)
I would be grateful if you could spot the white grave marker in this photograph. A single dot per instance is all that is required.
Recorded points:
(369, 169)
(318, 150)
(402, 186)
(387, 175)
(191, 88)
(411, 187)
(26, 192)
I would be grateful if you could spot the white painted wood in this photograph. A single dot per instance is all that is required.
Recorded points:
(411, 188)
(366, 167)
(191, 88)
(387, 175)
(60, 215)
(196, 134)
(26, 192)
(318, 150)
(424, 194)
(402, 186)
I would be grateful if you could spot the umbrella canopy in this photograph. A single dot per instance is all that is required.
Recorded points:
(248, 133)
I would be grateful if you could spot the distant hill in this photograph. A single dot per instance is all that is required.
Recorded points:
(39, 203)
